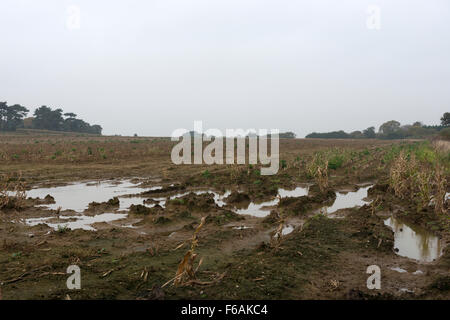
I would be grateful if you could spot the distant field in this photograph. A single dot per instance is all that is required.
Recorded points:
(285, 236)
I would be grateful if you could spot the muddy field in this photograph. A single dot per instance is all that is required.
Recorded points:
(121, 211)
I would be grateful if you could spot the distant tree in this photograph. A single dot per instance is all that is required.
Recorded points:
(70, 115)
(389, 127)
(417, 124)
(445, 120)
(287, 135)
(11, 117)
(3, 115)
(369, 133)
(445, 133)
(356, 135)
(419, 131)
(96, 129)
(329, 135)
(48, 119)
(28, 123)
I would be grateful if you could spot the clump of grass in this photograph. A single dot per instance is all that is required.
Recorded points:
(375, 205)
(322, 177)
(401, 173)
(206, 174)
(419, 180)
(277, 237)
(336, 161)
(236, 172)
(186, 271)
(318, 168)
(12, 193)
(424, 185)
(62, 229)
(439, 196)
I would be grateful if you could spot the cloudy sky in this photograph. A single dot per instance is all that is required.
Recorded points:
(150, 67)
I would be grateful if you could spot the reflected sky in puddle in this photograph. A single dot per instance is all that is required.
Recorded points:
(297, 192)
(400, 270)
(77, 196)
(347, 200)
(287, 229)
(259, 210)
(126, 202)
(414, 242)
(77, 222)
(241, 227)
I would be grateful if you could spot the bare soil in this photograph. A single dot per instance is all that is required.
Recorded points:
(323, 258)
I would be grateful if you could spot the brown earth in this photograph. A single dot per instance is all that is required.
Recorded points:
(323, 258)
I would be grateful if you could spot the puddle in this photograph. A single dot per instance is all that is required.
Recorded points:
(218, 198)
(260, 210)
(348, 200)
(125, 203)
(77, 196)
(242, 227)
(399, 270)
(297, 192)
(80, 222)
(287, 229)
(414, 242)
(405, 290)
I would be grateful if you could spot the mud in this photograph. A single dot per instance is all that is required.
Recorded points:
(134, 215)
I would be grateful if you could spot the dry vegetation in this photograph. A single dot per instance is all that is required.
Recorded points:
(411, 178)
(12, 192)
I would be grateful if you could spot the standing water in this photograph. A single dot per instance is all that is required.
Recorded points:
(414, 242)
(258, 209)
(76, 222)
(77, 196)
(347, 200)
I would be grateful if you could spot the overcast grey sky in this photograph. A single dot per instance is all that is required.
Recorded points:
(149, 67)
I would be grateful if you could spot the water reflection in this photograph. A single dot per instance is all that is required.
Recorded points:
(414, 242)
(77, 222)
(347, 200)
(77, 196)
(261, 210)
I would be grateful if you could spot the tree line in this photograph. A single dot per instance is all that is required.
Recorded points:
(44, 118)
(392, 130)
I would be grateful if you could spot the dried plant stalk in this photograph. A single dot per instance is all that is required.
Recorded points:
(12, 194)
(439, 196)
(185, 270)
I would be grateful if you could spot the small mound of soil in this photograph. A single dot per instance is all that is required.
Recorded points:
(162, 220)
(140, 209)
(379, 188)
(48, 199)
(296, 205)
(111, 203)
(202, 202)
(236, 197)
(272, 218)
(224, 217)
(177, 187)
